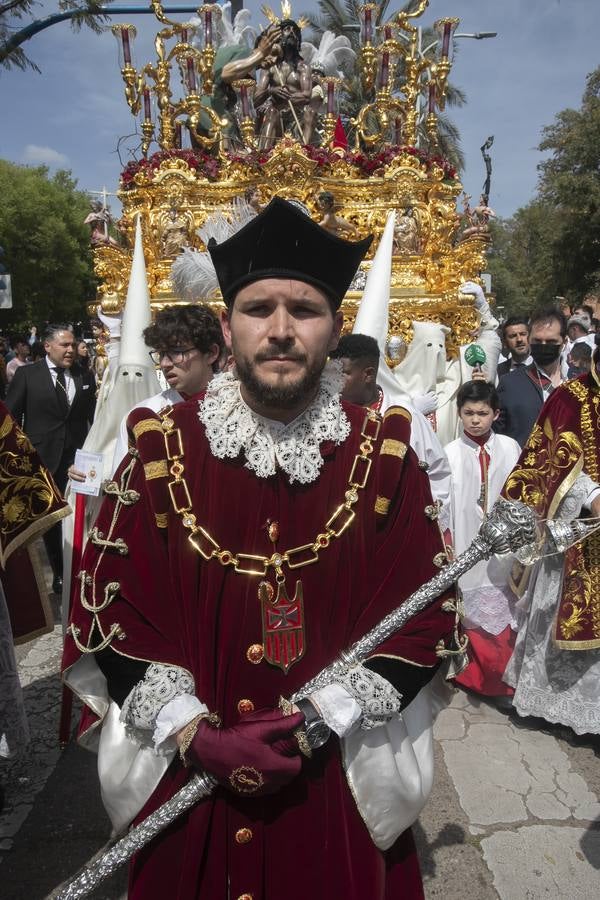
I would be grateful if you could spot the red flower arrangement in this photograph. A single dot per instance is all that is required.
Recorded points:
(210, 168)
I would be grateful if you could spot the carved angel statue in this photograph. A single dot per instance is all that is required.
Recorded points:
(99, 219)
(476, 218)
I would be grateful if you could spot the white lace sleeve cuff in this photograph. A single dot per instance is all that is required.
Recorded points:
(339, 710)
(172, 718)
(161, 686)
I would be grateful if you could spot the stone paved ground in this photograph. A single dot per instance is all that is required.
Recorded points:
(514, 814)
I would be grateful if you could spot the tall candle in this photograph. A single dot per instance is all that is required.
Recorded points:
(446, 40)
(330, 98)
(244, 101)
(368, 26)
(147, 107)
(431, 96)
(191, 75)
(208, 32)
(384, 71)
(398, 131)
(126, 46)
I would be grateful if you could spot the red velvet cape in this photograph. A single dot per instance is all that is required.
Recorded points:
(172, 606)
(564, 442)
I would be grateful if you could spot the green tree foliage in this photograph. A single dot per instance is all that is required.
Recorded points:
(551, 247)
(570, 182)
(46, 246)
(522, 258)
(18, 25)
(341, 17)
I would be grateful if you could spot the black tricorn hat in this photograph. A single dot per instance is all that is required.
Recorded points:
(283, 242)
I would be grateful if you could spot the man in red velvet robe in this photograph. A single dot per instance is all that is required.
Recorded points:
(248, 539)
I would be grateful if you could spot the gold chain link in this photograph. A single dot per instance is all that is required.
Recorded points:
(296, 557)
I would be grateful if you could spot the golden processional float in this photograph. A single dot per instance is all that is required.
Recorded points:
(262, 120)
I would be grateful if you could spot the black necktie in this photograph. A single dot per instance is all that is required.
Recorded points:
(61, 390)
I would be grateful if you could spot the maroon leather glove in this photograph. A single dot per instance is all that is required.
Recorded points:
(252, 757)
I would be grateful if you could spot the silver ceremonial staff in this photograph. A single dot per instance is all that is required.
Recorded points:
(510, 527)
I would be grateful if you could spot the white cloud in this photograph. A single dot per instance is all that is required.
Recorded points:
(44, 156)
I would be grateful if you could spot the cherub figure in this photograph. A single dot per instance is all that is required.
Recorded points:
(332, 222)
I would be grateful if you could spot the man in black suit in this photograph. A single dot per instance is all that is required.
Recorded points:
(515, 337)
(54, 400)
(523, 392)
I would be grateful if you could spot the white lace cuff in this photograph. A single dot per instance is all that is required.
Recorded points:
(378, 699)
(172, 718)
(143, 704)
(339, 710)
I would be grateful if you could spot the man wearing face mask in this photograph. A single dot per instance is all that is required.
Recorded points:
(524, 391)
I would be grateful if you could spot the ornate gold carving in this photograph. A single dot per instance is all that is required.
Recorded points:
(424, 285)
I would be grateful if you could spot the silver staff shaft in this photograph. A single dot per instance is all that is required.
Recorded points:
(509, 526)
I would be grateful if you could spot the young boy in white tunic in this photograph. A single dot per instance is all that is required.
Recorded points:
(480, 462)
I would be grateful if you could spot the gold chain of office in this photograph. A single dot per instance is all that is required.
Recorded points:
(296, 557)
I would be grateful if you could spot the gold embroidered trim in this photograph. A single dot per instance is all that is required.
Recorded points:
(144, 426)
(162, 519)
(156, 469)
(397, 411)
(382, 505)
(390, 447)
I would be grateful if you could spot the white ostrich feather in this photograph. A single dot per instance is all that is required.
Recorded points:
(193, 275)
(332, 56)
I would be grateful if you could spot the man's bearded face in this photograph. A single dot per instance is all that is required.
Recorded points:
(290, 36)
(281, 332)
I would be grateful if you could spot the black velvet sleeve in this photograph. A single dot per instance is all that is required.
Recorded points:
(406, 678)
(121, 673)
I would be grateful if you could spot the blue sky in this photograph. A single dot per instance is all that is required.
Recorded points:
(72, 115)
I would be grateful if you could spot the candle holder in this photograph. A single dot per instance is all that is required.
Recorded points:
(207, 32)
(330, 86)
(147, 124)
(125, 36)
(445, 29)
(190, 78)
(245, 112)
(367, 14)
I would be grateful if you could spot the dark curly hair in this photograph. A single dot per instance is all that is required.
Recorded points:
(178, 326)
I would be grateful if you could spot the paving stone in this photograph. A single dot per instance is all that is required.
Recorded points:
(487, 772)
(450, 725)
(544, 861)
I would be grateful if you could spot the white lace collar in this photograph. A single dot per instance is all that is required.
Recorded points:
(231, 426)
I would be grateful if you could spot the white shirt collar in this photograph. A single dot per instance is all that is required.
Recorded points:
(473, 445)
(232, 427)
(53, 368)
